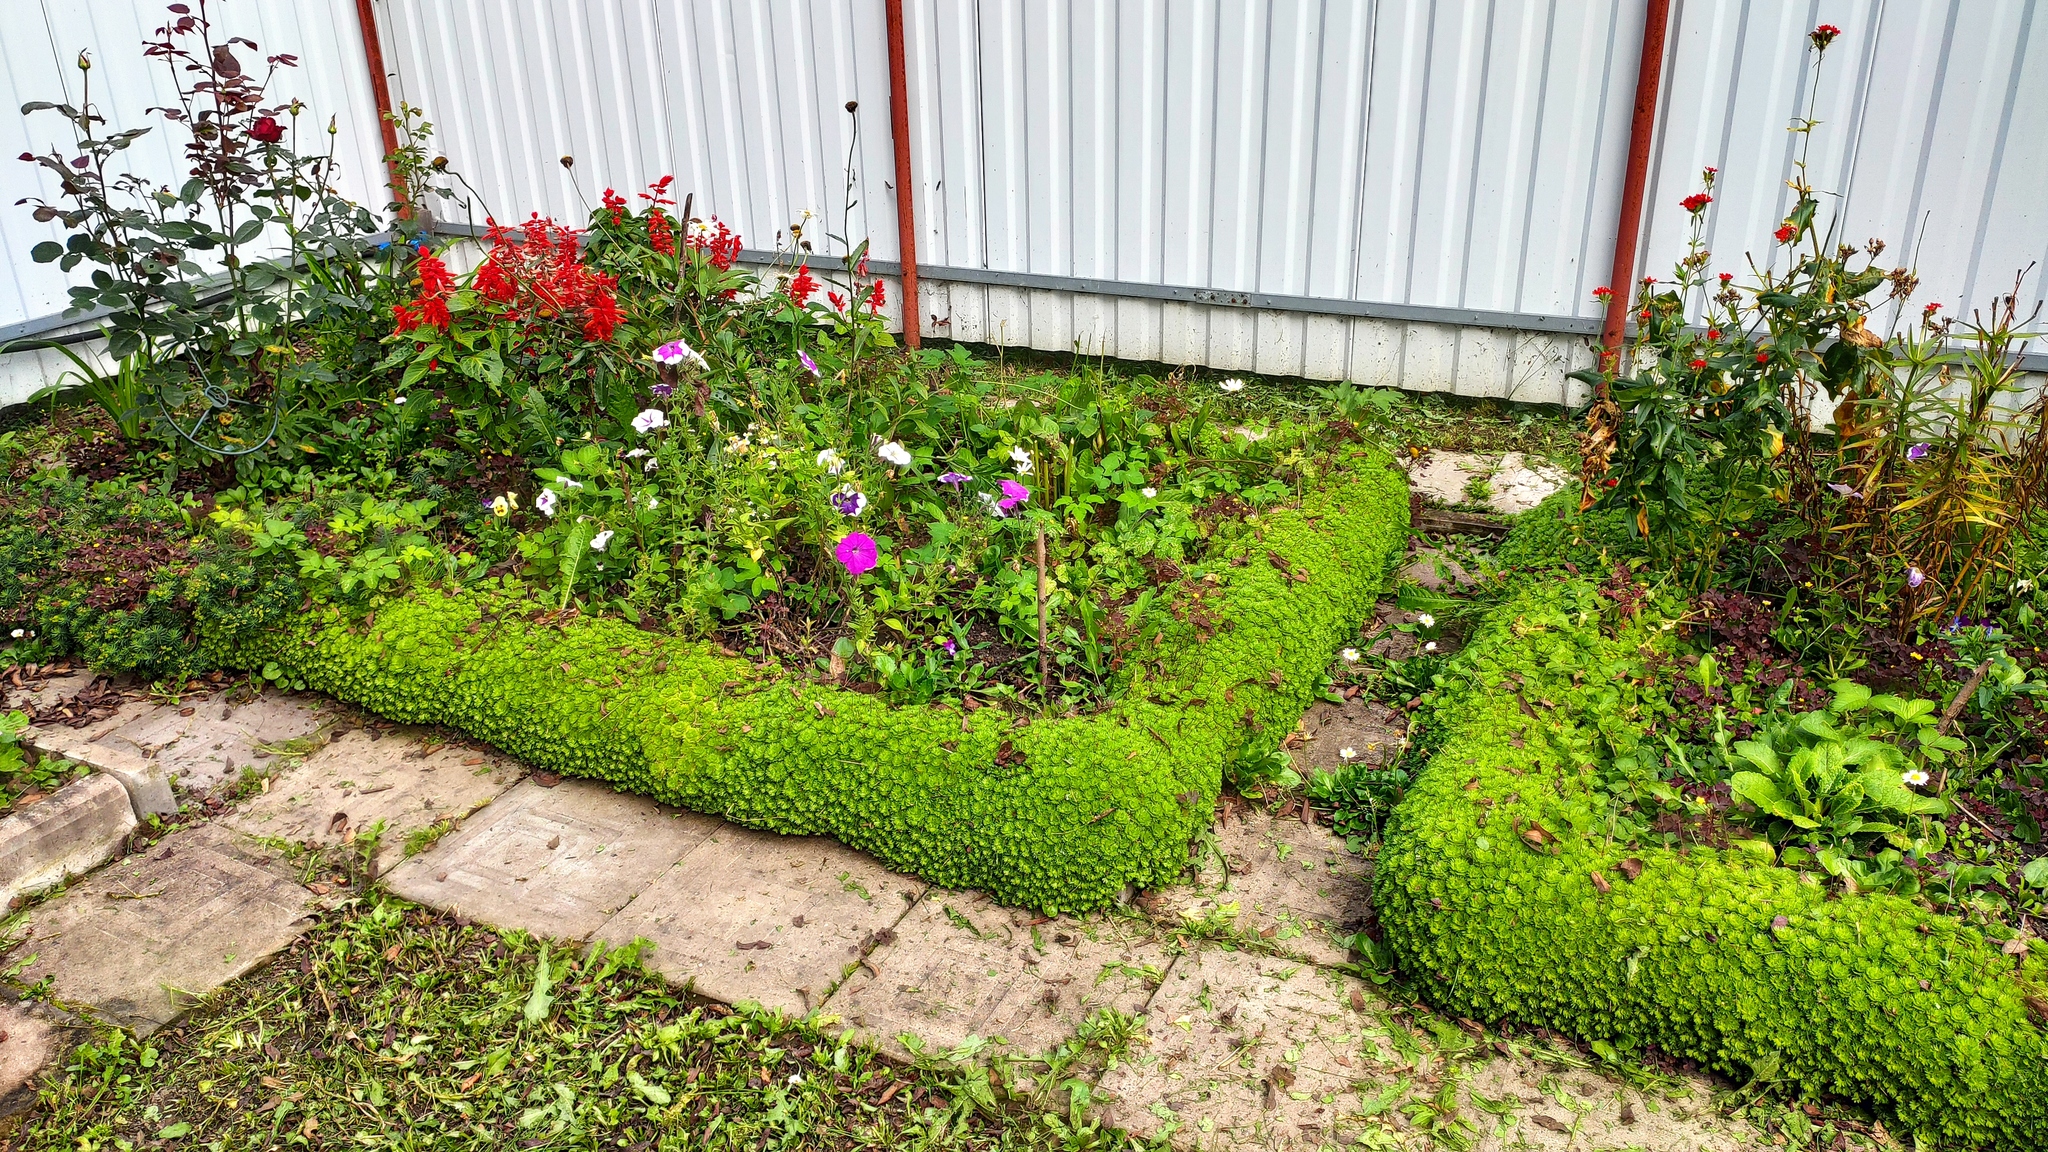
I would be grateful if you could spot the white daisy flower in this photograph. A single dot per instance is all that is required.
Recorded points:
(1425, 619)
(1347, 753)
(1429, 647)
(1350, 655)
(1917, 777)
(1149, 493)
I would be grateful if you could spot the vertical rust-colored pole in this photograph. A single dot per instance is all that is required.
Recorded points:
(899, 132)
(380, 90)
(1642, 131)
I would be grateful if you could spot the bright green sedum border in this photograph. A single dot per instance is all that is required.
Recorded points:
(1059, 814)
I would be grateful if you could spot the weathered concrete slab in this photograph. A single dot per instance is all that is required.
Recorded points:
(1247, 1051)
(1294, 884)
(68, 833)
(776, 920)
(145, 782)
(138, 940)
(207, 741)
(961, 965)
(363, 777)
(1506, 484)
(1519, 1104)
(32, 1036)
(555, 862)
(1373, 732)
(1432, 570)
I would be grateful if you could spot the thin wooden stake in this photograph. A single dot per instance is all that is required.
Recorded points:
(1043, 684)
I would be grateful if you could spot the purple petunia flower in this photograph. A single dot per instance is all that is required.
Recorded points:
(1845, 491)
(857, 552)
(1917, 453)
(664, 391)
(1013, 495)
(809, 364)
(956, 479)
(1915, 577)
(849, 501)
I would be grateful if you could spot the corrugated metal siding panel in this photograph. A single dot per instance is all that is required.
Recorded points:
(1933, 135)
(743, 101)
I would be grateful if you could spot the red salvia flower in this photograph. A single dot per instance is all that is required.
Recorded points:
(837, 301)
(876, 299)
(616, 205)
(802, 286)
(657, 192)
(661, 234)
(720, 243)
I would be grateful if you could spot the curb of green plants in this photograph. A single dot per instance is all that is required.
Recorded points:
(1061, 814)
(1500, 899)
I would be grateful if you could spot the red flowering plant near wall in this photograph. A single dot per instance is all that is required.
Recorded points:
(534, 339)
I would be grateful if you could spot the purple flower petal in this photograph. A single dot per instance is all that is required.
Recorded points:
(1013, 495)
(1917, 452)
(857, 552)
(954, 478)
(1845, 491)
(1915, 577)
(809, 364)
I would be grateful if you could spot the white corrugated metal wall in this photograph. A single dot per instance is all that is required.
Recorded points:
(1411, 192)
(40, 53)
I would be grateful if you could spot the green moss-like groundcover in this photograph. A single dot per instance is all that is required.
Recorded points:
(1752, 969)
(1059, 814)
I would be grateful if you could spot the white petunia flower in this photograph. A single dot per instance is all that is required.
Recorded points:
(652, 503)
(1232, 385)
(569, 482)
(649, 420)
(1022, 458)
(651, 465)
(17, 633)
(398, 399)
(635, 453)
(1350, 655)
(547, 501)
(678, 352)
(829, 460)
(894, 453)
(599, 541)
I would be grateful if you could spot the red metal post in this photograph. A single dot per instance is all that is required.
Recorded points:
(899, 131)
(1649, 75)
(380, 89)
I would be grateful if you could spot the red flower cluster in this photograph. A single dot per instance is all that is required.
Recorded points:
(1603, 294)
(1763, 357)
(802, 286)
(267, 130)
(721, 243)
(1697, 364)
(430, 307)
(1727, 276)
(657, 192)
(661, 235)
(541, 276)
(616, 205)
(1696, 203)
(1785, 233)
(1824, 36)
(1713, 333)
(876, 298)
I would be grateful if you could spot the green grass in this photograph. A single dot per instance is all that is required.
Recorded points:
(389, 1026)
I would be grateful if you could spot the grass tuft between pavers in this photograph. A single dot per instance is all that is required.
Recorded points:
(1061, 814)
(1502, 898)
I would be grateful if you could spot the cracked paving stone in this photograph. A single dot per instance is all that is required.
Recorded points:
(556, 862)
(756, 917)
(1295, 885)
(139, 940)
(962, 966)
(345, 788)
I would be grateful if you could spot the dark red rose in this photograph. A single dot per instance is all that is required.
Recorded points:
(267, 130)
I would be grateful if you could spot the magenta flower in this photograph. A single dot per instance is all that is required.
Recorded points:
(809, 364)
(1917, 453)
(951, 646)
(1013, 495)
(857, 551)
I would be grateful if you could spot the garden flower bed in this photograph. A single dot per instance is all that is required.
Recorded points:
(1507, 890)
